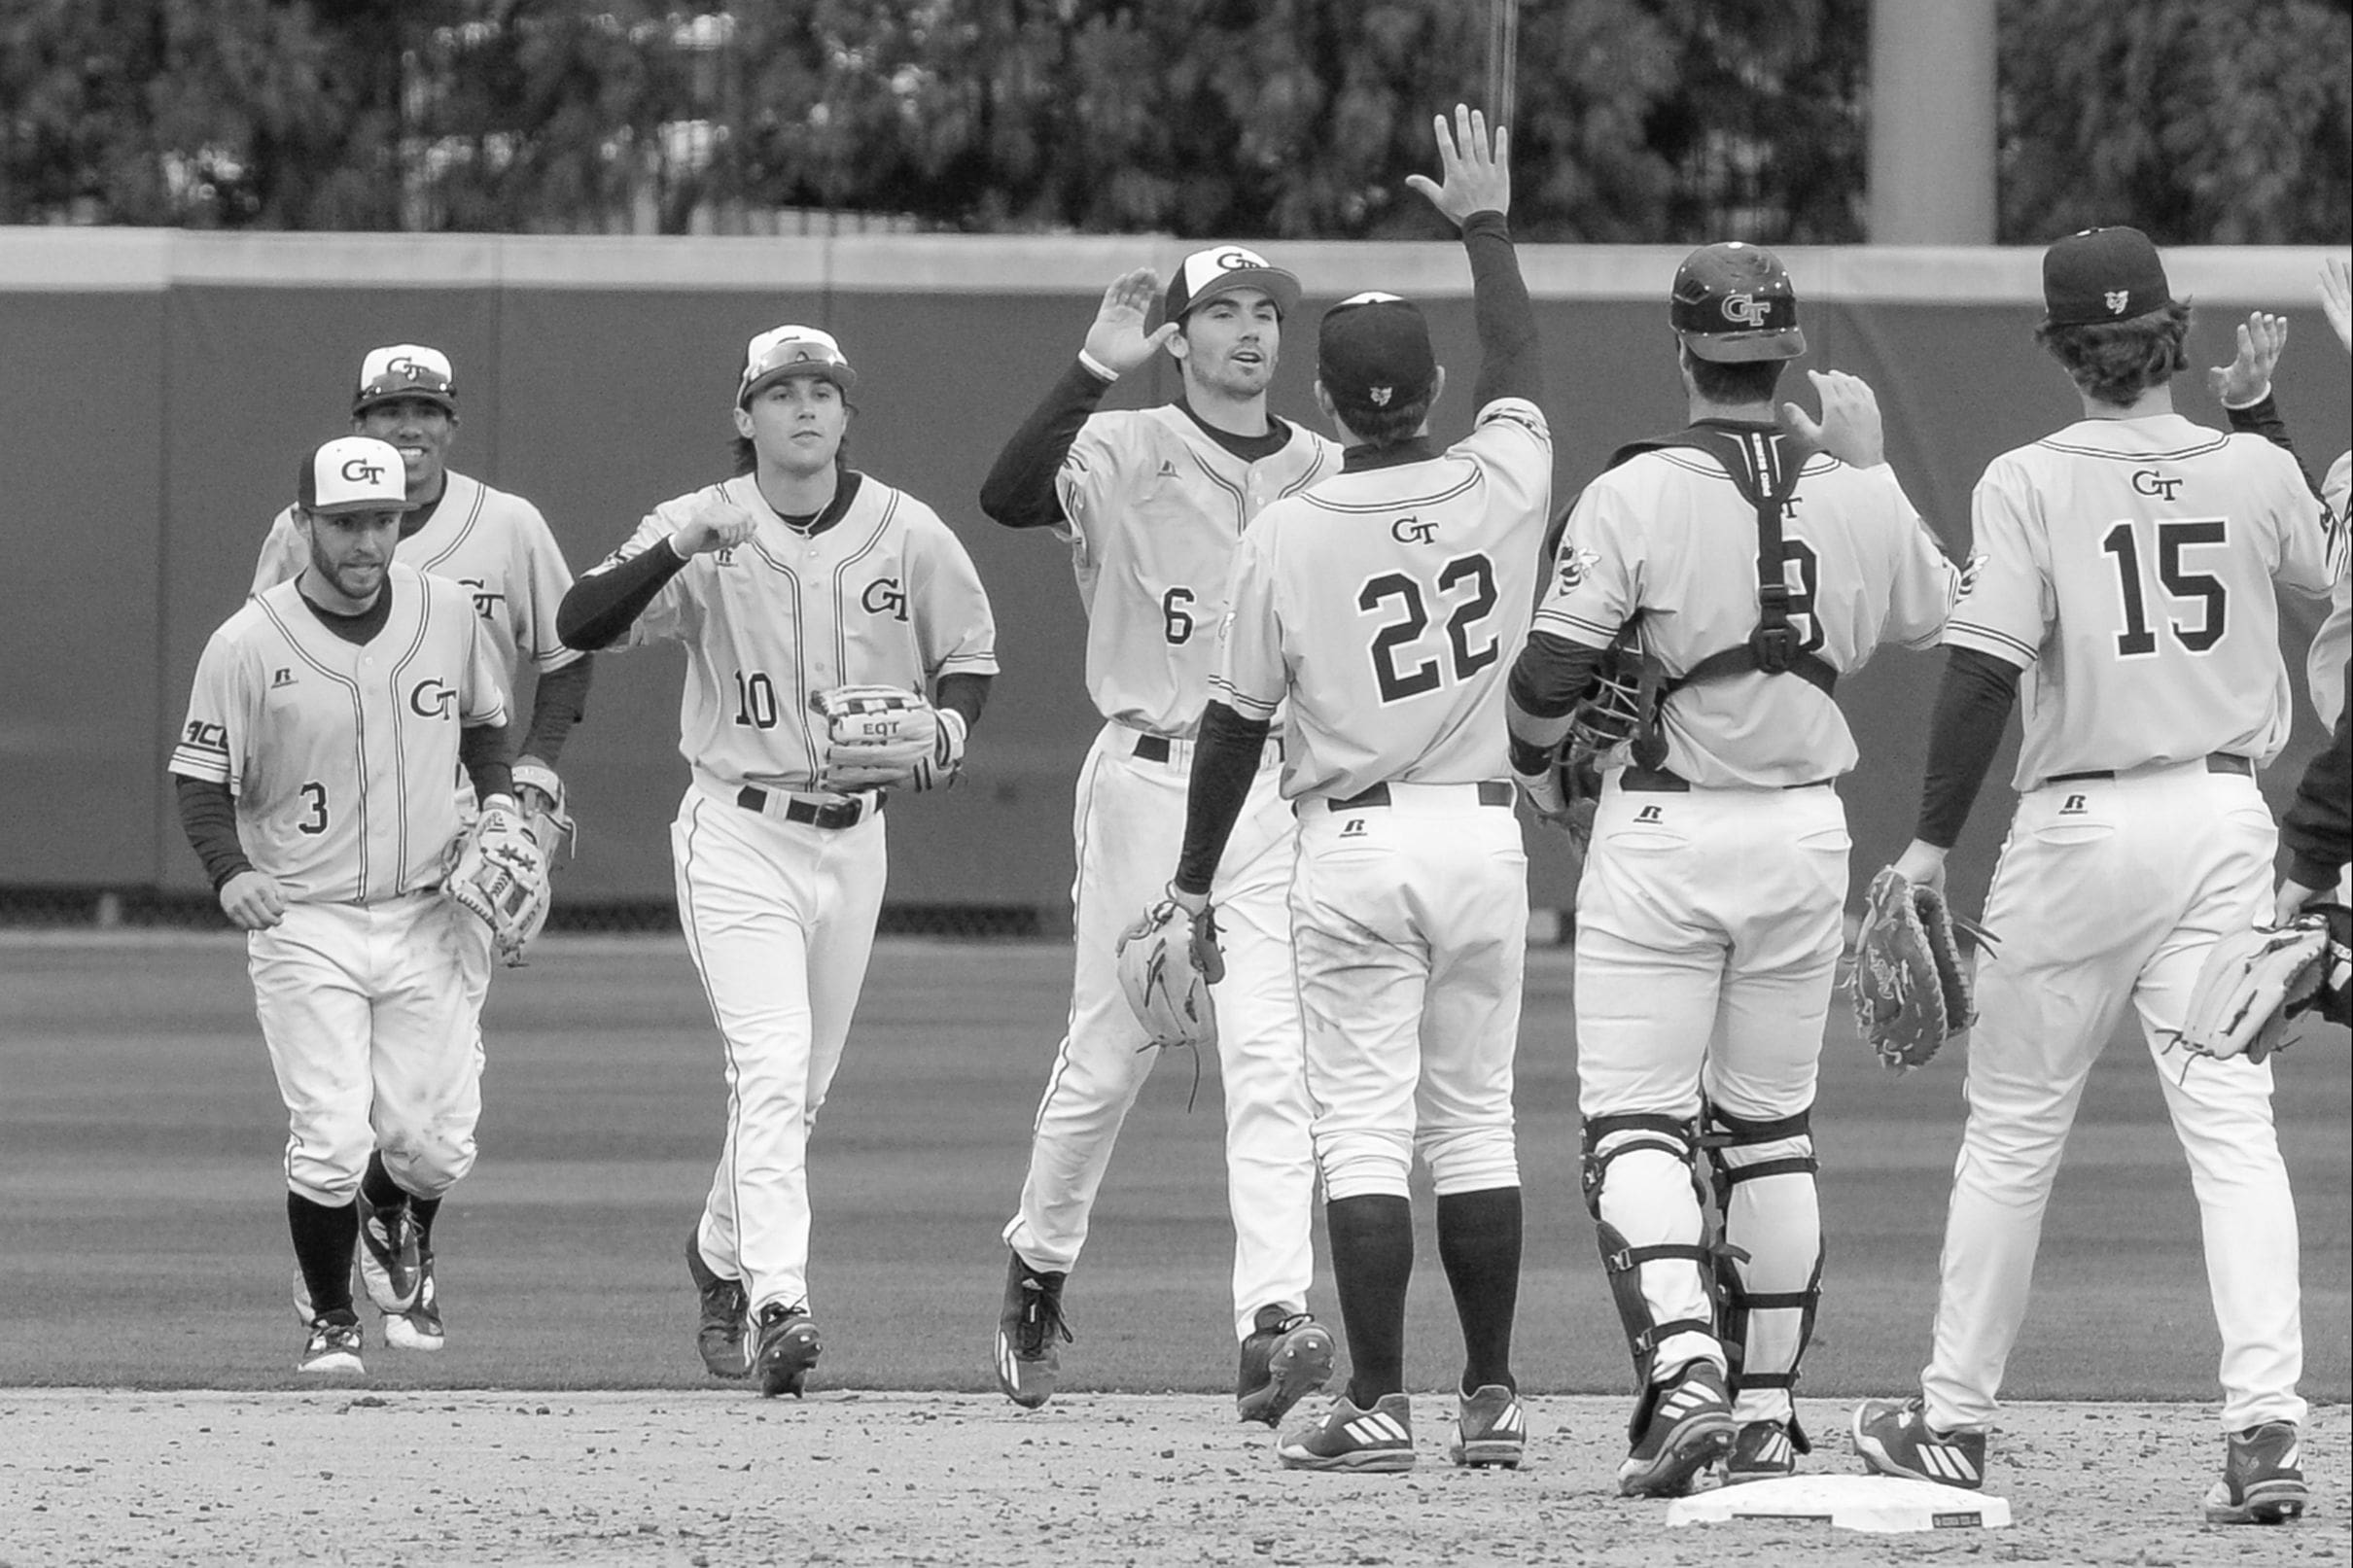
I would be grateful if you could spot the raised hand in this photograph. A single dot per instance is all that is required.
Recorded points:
(1476, 167)
(2247, 379)
(1117, 342)
(2336, 297)
(1850, 429)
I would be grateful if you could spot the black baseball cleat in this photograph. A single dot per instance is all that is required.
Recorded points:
(331, 1344)
(1029, 1334)
(1893, 1438)
(722, 1336)
(1688, 1428)
(420, 1328)
(1288, 1357)
(788, 1347)
(2262, 1477)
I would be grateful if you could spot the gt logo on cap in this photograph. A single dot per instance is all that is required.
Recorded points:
(1745, 309)
(359, 471)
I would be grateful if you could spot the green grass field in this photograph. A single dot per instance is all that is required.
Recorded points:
(143, 1236)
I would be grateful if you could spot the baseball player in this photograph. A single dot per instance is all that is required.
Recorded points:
(2126, 575)
(499, 547)
(329, 717)
(795, 577)
(1751, 572)
(1384, 606)
(1150, 503)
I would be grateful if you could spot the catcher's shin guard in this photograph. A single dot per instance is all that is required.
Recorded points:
(1764, 1172)
(1608, 1138)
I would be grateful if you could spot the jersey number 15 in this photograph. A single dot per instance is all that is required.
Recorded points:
(2174, 534)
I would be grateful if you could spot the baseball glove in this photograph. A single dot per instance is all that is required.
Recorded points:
(1911, 987)
(541, 795)
(495, 872)
(2250, 981)
(1168, 962)
(1566, 792)
(887, 737)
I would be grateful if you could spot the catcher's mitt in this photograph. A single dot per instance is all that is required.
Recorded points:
(2249, 982)
(1567, 792)
(1911, 987)
(887, 737)
(496, 872)
(1167, 961)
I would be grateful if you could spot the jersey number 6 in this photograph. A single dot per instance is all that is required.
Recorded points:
(1469, 582)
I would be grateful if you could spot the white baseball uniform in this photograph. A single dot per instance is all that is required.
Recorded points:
(370, 988)
(2128, 567)
(2333, 643)
(1152, 508)
(779, 880)
(1708, 913)
(1385, 606)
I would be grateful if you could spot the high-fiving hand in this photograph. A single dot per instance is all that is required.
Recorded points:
(1117, 342)
(1476, 166)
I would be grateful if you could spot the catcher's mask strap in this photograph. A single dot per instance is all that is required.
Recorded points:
(828, 812)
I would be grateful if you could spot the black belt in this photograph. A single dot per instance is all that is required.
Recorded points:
(1159, 747)
(1659, 782)
(833, 815)
(1492, 792)
(2216, 762)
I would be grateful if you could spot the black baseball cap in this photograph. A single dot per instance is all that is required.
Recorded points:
(2102, 275)
(1373, 354)
(1733, 303)
(1204, 275)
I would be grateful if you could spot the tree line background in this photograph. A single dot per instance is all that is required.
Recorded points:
(2211, 121)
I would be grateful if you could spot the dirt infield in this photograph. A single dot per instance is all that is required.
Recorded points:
(725, 1477)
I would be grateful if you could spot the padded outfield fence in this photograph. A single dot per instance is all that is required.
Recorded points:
(159, 387)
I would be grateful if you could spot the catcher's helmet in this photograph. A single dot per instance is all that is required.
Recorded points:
(1732, 303)
(1623, 706)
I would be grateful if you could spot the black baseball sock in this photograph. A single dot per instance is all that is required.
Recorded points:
(1478, 1244)
(1372, 1259)
(323, 1241)
(377, 1185)
(423, 1210)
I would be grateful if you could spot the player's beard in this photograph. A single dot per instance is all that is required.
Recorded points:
(356, 581)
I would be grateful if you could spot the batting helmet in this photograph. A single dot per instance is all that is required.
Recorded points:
(1732, 303)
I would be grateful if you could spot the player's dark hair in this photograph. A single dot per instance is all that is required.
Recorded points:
(1387, 427)
(1743, 381)
(2115, 362)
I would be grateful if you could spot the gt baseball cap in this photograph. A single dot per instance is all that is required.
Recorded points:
(353, 473)
(1373, 354)
(1733, 303)
(1222, 269)
(782, 352)
(2102, 275)
(405, 370)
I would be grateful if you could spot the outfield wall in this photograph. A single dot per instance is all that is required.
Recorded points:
(157, 386)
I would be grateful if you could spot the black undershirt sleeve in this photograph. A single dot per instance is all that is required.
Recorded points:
(1552, 677)
(1973, 704)
(1019, 491)
(599, 607)
(208, 816)
(1225, 761)
(2318, 827)
(967, 692)
(558, 702)
(483, 752)
(1509, 365)
(2263, 418)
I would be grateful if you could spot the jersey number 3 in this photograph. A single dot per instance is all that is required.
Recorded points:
(2174, 534)
(1468, 583)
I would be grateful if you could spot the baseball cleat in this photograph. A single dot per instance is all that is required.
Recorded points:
(1894, 1439)
(388, 1256)
(1288, 1357)
(1489, 1429)
(727, 1314)
(2263, 1478)
(334, 1345)
(419, 1328)
(1690, 1426)
(1028, 1356)
(1761, 1451)
(788, 1347)
(1348, 1437)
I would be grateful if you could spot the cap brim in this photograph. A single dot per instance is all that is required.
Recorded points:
(449, 404)
(1277, 285)
(840, 375)
(1742, 348)
(342, 507)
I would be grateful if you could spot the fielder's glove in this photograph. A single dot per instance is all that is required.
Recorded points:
(1912, 990)
(2251, 981)
(496, 872)
(541, 795)
(887, 737)
(1565, 792)
(1167, 961)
